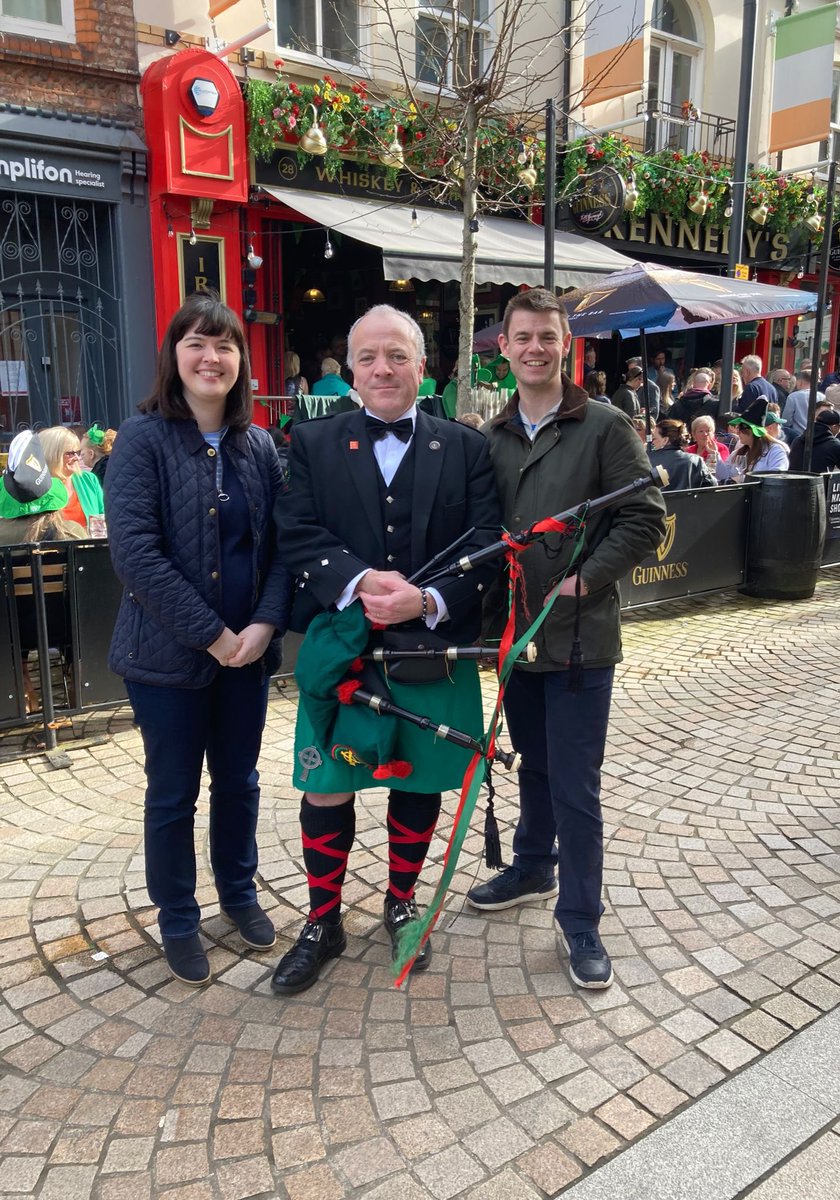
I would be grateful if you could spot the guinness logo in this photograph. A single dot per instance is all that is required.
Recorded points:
(674, 570)
(665, 546)
(598, 201)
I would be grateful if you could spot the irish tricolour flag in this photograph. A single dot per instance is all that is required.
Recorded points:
(614, 55)
(802, 78)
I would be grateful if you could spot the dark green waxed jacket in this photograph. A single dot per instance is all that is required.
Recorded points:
(585, 451)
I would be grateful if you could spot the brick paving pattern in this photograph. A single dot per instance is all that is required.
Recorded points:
(490, 1075)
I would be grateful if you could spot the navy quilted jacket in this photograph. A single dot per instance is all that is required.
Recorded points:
(161, 506)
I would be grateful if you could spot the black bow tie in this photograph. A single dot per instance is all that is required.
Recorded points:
(377, 429)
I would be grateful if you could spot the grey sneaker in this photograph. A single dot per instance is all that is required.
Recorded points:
(514, 886)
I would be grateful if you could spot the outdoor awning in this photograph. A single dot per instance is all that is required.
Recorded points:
(508, 251)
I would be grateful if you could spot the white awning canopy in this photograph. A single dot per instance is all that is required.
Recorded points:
(508, 251)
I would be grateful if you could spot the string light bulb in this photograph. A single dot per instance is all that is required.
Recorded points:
(414, 218)
(328, 248)
(631, 194)
(193, 236)
(727, 212)
(170, 232)
(253, 260)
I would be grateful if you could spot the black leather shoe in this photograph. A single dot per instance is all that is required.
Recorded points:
(187, 960)
(397, 914)
(255, 928)
(299, 968)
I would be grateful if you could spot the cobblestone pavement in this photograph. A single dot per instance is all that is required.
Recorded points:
(489, 1075)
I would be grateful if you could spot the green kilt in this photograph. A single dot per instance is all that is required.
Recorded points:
(437, 765)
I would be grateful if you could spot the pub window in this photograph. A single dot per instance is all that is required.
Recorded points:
(451, 41)
(326, 28)
(51, 20)
(674, 73)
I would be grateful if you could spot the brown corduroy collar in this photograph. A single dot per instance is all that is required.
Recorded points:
(572, 406)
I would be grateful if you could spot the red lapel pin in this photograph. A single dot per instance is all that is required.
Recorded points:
(354, 445)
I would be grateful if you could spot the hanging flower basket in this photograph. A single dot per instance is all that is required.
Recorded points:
(380, 132)
(669, 181)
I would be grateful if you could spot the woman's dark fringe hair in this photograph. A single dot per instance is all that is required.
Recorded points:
(206, 314)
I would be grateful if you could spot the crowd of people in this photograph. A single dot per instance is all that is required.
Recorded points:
(221, 550)
(706, 440)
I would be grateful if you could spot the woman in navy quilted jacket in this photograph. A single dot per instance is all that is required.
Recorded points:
(189, 496)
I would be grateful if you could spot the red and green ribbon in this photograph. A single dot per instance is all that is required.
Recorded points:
(414, 934)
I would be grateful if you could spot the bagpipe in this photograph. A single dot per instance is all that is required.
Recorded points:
(406, 653)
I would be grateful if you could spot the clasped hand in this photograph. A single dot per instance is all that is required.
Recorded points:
(239, 649)
(389, 598)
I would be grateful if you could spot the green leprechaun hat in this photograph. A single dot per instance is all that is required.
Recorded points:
(328, 671)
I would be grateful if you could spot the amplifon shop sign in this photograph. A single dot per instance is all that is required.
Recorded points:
(58, 175)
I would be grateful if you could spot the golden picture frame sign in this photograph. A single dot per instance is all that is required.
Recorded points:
(201, 267)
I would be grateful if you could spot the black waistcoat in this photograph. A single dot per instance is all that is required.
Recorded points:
(395, 505)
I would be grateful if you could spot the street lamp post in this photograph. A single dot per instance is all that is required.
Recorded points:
(739, 192)
(822, 295)
(550, 191)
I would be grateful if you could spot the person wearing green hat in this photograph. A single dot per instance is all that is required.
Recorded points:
(97, 445)
(503, 377)
(31, 501)
(757, 450)
(373, 495)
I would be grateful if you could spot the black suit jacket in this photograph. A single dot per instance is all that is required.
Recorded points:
(329, 522)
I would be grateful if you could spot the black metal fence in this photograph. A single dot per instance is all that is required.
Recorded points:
(58, 601)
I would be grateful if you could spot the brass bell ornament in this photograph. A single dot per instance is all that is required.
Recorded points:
(314, 141)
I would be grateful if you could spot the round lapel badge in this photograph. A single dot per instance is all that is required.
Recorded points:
(434, 445)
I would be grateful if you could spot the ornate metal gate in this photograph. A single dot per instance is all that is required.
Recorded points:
(59, 352)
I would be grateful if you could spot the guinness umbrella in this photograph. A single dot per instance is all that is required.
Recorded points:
(656, 298)
(652, 298)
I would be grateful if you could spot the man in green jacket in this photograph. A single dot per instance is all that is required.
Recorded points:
(552, 448)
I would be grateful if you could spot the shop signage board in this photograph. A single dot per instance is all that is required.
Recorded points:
(352, 178)
(703, 550)
(201, 266)
(684, 239)
(831, 550)
(59, 174)
(834, 248)
(599, 202)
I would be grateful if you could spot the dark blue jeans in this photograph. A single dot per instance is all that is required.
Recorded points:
(179, 726)
(561, 736)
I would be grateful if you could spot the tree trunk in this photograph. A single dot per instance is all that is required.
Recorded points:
(466, 304)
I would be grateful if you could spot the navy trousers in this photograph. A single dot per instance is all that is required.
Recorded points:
(223, 721)
(561, 736)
